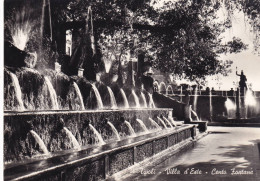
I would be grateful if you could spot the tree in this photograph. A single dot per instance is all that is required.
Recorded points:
(180, 37)
(251, 10)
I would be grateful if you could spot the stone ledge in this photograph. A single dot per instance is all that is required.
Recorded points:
(202, 125)
(12, 113)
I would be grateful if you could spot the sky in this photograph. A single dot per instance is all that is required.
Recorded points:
(247, 60)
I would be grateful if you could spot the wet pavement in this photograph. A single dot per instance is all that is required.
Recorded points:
(226, 153)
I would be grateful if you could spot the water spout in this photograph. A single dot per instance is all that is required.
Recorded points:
(18, 92)
(53, 94)
(114, 130)
(165, 119)
(20, 26)
(170, 118)
(250, 99)
(163, 123)
(195, 114)
(181, 94)
(142, 125)
(250, 103)
(151, 102)
(132, 132)
(210, 104)
(231, 107)
(100, 139)
(79, 95)
(112, 98)
(155, 124)
(144, 99)
(40, 142)
(42, 21)
(72, 139)
(124, 98)
(137, 103)
(195, 100)
(98, 97)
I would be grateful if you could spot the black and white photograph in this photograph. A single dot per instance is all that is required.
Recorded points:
(130, 90)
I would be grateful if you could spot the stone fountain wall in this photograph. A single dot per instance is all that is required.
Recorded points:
(219, 110)
(203, 107)
(91, 165)
(19, 144)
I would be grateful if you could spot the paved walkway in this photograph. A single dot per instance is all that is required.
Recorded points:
(227, 153)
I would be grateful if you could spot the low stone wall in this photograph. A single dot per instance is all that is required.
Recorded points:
(19, 143)
(203, 107)
(82, 165)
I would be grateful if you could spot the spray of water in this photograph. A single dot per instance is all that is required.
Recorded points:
(53, 94)
(130, 128)
(196, 115)
(20, 36)
(18, 92)
(142, 125)
(163, 123)
(250, 99)
(210, 104)
(40, 142)
(195, 99)
(20, 28)
(98, 97)
(144, 99)
(165, 119)
(137, 103)
(230, 105)
(170, 118)
(79, 95)
(100, 139)
(151, 102)
(124, 98)
(72, 139)
(114, 130)
(155, 124)
(112, 98)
